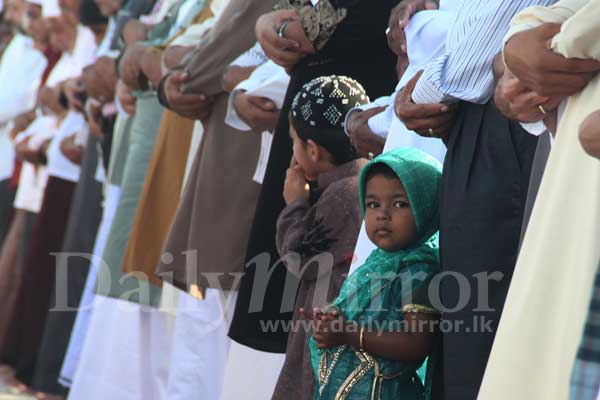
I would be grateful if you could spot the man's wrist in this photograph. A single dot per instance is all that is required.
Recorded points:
(160, 90)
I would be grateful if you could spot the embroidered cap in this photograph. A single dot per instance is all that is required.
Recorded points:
(319, 112)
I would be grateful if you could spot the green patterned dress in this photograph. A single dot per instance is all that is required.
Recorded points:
(378, 293)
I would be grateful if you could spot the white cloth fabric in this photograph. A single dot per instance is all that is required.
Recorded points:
(104, 47)
(33, 179)
(71, 64)
(251, 58)
(250, 374)
(58, 165)
(158, 13)
(118, 350)
(7, 156)
(44, 127)
(81, 326)
(21, 70)
(126, 353)
(193, 33)
(201, 345)
(197, 135)
(32, 184)
(426, 40)
(50, 8)
(269, 80)
(535, 128)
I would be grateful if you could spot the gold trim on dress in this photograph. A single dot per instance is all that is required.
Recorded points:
(417, 308)
(325, 370)
(367, 362)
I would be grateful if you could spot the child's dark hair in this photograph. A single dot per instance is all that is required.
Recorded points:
(338, 144)
(380, 169)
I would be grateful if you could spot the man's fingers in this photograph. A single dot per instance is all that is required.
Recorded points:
(274, 40)
(549, 30)
(438, 133)
(409, 111)
(408, 12)
(190, 99)
(262, 103)
(285, 57)
(373, 111)
(431, 5)
(287, 15)
(179, 78)
(552, 103)
(555, 62)
(559, 84)
(284, 43)
(305, 314)
(426, 123)
(528, 100)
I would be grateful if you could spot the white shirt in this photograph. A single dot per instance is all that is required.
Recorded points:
(426, 38)
(58, 165)
(464, 71)
(71, 64)
(104, 47)
(21, 70)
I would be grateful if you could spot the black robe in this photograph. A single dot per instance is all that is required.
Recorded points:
(483, 194)
(357, 49)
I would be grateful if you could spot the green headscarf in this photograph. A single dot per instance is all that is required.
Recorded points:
(421, 175)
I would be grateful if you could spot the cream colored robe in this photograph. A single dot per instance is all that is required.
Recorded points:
(546, 308)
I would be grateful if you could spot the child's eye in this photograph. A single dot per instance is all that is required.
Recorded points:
(372, 204)
(400, 204)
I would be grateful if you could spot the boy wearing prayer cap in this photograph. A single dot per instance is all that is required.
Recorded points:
(317, 230)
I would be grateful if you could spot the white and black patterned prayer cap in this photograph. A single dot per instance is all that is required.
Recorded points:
(319, 112)
(325, 101)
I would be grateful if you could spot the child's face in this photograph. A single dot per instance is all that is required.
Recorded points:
(302, 156)
(388, 217)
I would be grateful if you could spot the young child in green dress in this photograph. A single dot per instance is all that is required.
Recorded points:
(370, 342)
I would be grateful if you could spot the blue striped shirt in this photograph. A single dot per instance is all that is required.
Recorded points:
(464, 71)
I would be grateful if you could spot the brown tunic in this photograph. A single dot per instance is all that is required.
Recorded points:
(331, 226)
(160, 196)
(210, 231)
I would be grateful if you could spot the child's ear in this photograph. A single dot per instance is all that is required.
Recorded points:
(313, 151)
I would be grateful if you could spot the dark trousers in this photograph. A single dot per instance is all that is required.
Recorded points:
(484, 191)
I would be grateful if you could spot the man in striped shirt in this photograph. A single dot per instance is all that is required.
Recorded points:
(486, 171)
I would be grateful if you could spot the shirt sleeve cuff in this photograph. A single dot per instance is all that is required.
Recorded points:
(426, 92)
(352, 111)
(232, 118)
